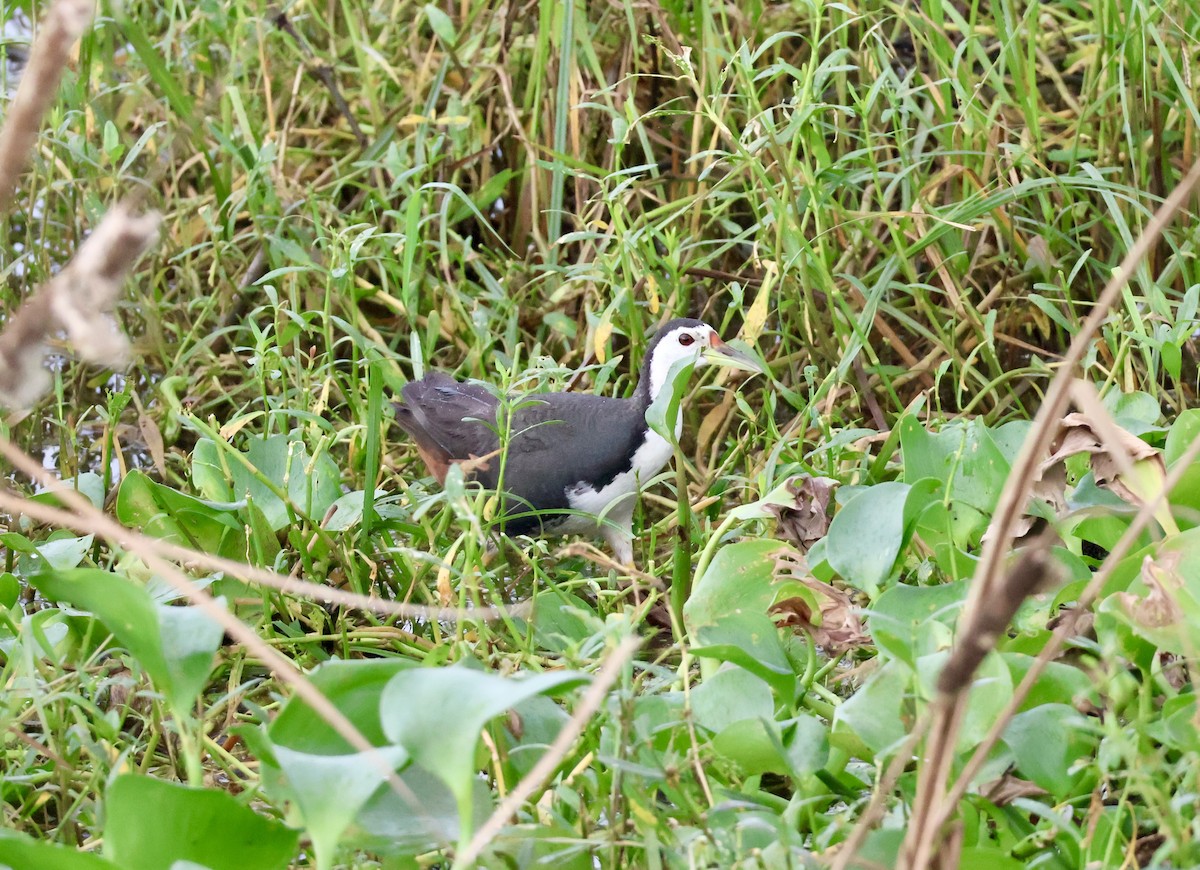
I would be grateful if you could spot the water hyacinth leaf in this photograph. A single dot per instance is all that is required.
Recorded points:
(157, 825)
(163, 512)
(339, 793)
(437, 715)
(57, 553)
(991, 690)
(330, 790)
(278, 463)
(1058, 682)
(754, 745)
(1047, 742)
(964, 457)
(867, 534)
(728, 696)
(751, 641)
(740, 577)
(209, 471)
(877, 713)
(355, 687)
(88, 484)
(390, 824)
(10, 589)
(901, 619)
(174, 645)
(806, 741)
(19, 850)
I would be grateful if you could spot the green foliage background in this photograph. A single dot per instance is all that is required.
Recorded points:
(906, 208)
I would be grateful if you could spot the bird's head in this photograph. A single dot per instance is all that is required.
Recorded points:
(694, 341)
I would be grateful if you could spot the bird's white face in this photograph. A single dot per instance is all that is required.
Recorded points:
(681, 343)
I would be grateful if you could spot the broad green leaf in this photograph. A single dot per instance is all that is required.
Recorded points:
(355, 687)
(754, 745)
(282, 462)
(441, 24)
(911, 621)
(339, 793)
(162, 512)
(963, 456)
(663, 414)
(1058, 684)
(210, 472)
(152, 825)
(806, 743)
(88, 484)
(1176, 725)
(1185, 429)
(541, 719)
(739, 578)
(1047, 742)
(47, 631)
(750, 640)
(10, 589)
(59, 554)
(1185, 497)
(867, 534)
(877, 713)
(991, 690)
(1135, 412)
(174, 645)
(437, 714)
(389, 824)
(730, 695)
(347, 511)
(330, 790)
(19, 851)
(989, 858)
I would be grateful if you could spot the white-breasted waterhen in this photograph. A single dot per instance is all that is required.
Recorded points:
(572, 462)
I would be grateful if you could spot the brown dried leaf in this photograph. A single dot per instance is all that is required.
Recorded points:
(1007, 788)
(1121, 462)
(836, 627)
(806, 520)
(1158, 608)
(152, 438)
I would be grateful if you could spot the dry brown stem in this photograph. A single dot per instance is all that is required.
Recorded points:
(78, 301)
(64, 22)
(931, 808)
(588, 705)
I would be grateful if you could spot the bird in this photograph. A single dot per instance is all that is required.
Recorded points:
(571, 463)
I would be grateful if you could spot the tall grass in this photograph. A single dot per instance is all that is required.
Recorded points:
(905, 206)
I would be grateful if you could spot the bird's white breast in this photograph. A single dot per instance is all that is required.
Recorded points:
(615, 500)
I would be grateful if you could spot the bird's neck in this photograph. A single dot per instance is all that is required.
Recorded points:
(653, 380)
(654, 377)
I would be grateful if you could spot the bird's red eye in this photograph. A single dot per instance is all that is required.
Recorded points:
(686, 338)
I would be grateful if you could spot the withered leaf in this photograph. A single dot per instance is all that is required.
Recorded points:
(834, 626)
(1007, 788)
(806, 520)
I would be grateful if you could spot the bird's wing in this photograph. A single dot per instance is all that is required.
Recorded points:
(557, 440)
(552, 440)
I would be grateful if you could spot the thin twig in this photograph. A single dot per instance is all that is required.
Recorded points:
(51, 515)
(930, 803)
(285, 670)
(59, 30)
(546, 765)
